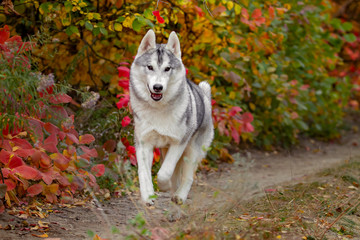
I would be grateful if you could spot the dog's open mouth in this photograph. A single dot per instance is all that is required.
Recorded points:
(156, 96)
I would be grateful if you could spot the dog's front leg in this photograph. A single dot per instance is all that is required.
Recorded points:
(144, 155)
(167, 168)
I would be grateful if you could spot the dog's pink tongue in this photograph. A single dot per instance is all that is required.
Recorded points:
(155, 96)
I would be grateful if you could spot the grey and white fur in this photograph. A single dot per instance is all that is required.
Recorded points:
(171, 113)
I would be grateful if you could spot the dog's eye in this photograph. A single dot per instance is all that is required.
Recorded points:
(167, 69)
(150, 67)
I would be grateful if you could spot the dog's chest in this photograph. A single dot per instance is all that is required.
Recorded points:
(160, 129)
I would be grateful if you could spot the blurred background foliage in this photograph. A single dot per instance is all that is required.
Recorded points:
(278, 69)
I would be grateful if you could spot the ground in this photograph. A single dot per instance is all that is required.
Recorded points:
(260, 196)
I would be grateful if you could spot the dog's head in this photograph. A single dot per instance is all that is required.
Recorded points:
(160, 65)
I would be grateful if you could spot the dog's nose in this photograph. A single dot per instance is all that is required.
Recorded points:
(158, 87)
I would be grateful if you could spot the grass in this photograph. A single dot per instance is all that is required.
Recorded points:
(324, 207)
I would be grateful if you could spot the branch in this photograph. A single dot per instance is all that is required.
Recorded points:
(98, 55)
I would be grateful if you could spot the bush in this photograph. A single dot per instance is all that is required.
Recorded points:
(41, 152)
(265, 60)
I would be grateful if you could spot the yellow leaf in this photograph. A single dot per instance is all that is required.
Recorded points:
(229, 5)
(232, 95)
(90, 16)
(118, 27)
(278, 237)
(252, 106)
(41, 236)
(128, 22)
(237, 9)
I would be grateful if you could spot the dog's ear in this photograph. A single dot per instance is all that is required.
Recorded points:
(147, 43)
(173, 45)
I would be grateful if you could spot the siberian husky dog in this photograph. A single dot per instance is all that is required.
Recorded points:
(171, 113)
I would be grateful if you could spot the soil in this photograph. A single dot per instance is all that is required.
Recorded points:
(252, 173)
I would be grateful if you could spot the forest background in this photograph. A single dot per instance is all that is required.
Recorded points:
(279, 70)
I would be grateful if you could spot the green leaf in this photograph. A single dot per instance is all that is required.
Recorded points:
(71, 30)
(97, 16)
(347, 26)
(350, 37)
(103, 31)
(89, 26)
(68, 6)
(136, 25)
(120, 19)
(148, 14)
(96, 31)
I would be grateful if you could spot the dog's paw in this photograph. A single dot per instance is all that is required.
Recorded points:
(150, 202)
(177, 200)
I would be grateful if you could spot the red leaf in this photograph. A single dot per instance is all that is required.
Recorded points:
(86, 139)
(247, 117)
(51, 128)
(60, 98)
(36, 129)
(88, 153)
(24, 152)
(123, 102)
(59, 111)
(235, 135)
(247, 127)
(98, 170)
(131, 150)
(21, 143)
(27, 172)
(6, 172)
(234, 111)
(124, 72)
(4, 34)
(125, 121)
(15, 161)
(124, 84)
(35, 189)
(10, 184)
(256, 13)
(4, 156)
(47, 177)
(158, 17)
(50, 144)
(199, 11)
(72, 138)
(110, 145)
(133, 160)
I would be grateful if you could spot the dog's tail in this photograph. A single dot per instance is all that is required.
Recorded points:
(205, 86)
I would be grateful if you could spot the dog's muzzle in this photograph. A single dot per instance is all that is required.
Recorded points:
(156, 96)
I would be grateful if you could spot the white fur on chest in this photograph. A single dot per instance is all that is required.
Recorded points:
(159, 128)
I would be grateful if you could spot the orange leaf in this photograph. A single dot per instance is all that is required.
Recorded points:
(60, 161)
(86, 139)
(35, 189)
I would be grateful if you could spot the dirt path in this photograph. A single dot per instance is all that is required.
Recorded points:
(246, 178)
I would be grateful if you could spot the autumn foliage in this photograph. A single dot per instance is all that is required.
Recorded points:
(275, 68)
(41, 152)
